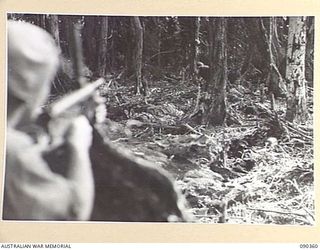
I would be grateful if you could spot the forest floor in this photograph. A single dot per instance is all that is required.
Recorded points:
(256, 170)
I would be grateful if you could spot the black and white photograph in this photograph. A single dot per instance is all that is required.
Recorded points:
(176, 119)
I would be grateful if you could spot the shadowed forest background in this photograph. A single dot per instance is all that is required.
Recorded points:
(224, 104)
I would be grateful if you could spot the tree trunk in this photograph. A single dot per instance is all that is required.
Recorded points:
(159, 43)
(295, 71)
(42, 21)
(258, 45)
(310, 51)
(137, 58)
(54, 28)
(195, 46)
(264, 53)
(158, 46)
(90, 31)
(112, 45)
(214, 103)
(102, 46)
(275, 82)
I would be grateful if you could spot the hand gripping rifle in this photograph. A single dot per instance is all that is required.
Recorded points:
(127, 188)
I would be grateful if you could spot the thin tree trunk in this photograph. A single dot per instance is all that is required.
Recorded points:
(272, 63)
(42, 21)
(102, 46)
(112, 46)
(138, 31)
(54, 28)
(295, 71)
(196, 43)
(159, 43)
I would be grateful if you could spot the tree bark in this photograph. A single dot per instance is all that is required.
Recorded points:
(102, 46)
(258, 45)
(265, 53)
(310, 51)
(42, 21)
(137, 58)
(195, 46)
(159, 42)
(90, 45)
(295, 71)
(113, 63)
(54, 28)
(214, 103)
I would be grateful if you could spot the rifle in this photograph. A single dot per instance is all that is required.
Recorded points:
(127, 188)
(57, 108)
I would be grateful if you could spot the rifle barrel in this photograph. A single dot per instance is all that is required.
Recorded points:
(73, 98)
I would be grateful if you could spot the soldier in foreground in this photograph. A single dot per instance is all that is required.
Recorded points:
(32, 190)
